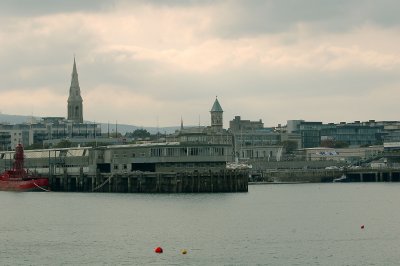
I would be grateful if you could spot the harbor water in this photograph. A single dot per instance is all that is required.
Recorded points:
(286, 224)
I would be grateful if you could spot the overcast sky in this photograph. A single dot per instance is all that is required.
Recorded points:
(150, 63)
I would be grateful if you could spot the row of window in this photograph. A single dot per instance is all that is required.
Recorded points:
(189, 151)
(172, 165)
(256, 154)
(178, 152)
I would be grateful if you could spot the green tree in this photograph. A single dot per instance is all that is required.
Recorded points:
(95, 144)
(37, 146)
(331, 143)
(115, 135)
(63, 144)
(341, 144)
(289, 146)
(138, 133)
(327, 143)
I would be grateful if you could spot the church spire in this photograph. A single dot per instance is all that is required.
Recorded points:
(181, 123)
(75, 112)
(74, 78)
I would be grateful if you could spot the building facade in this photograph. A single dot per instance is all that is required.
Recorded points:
(354, 134)
(238, 125)
(50, 130)
(253, 141)
(119, 159)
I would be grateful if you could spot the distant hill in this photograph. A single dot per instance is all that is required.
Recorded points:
(121, 128)
(16, 119)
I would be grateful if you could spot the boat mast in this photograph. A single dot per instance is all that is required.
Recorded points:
(19, 158)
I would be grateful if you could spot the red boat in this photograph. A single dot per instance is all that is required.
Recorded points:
(18, 179)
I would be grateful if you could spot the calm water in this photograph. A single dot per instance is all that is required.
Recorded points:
(301, 224)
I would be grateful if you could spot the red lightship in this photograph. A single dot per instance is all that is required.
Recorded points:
(18, 179)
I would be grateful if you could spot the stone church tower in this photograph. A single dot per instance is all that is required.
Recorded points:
(216, 116)
(75, 107)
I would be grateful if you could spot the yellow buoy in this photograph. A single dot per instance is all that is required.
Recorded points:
(183, 251)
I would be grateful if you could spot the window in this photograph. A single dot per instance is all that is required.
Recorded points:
(156, 152)
(194, 151)
(115, 166)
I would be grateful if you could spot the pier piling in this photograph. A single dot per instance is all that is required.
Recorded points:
(143, 182)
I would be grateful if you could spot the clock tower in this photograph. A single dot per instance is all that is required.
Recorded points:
(216, 116)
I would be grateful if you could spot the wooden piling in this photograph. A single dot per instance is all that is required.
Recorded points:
(188, 182)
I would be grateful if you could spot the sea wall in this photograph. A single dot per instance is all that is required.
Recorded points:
(327, 175)
(296, 175)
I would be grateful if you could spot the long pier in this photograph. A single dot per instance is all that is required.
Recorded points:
(151, 182)
(373, 175)
(327, 175)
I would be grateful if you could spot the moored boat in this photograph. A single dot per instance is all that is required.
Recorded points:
(343, 178)
(19, 179)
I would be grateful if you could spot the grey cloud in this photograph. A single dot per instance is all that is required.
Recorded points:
(172, 3)
(242, 18)
(43, 7)
(239, 18)
(50, 58)
(43, 60)
(164, 84)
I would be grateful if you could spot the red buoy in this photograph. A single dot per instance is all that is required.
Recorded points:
(362, 226)
(158, 250)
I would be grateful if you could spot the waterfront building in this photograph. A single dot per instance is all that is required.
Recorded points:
(291, 137)
(238, 125)
(293, 126)
(253, 141)
(390, 134)
(310, 133)
(214, 134)
(163, 157)
(118, 159)
(75, 106)
(204, 136)
(10, 136)
(352, 134)
(51, 130)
